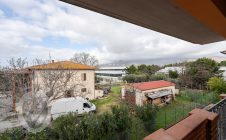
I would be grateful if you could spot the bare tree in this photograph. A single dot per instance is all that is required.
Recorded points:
(17, 63)
(14, 81)
(85, 58)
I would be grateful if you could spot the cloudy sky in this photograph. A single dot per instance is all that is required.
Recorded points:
(35, 29)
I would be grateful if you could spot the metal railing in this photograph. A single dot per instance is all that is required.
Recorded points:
(220, 108)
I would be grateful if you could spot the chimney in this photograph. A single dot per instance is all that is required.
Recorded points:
(52, 61)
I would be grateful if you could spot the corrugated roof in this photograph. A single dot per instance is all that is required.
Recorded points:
(152, 85)
(62, 65)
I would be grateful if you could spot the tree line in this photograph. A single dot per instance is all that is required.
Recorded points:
(196, 74)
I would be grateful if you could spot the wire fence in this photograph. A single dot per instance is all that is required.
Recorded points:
(183, 104)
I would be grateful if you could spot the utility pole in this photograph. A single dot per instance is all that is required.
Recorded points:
(14, 92)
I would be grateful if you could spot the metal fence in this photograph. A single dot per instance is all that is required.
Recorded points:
(185, 102)
(220, 108)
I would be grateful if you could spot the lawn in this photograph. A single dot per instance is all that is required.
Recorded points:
(105, 104)
(184, 103)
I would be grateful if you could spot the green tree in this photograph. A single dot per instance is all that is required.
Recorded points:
(197, 73)
(132, 78)
(152, 69)
(217, 84)
(142, 69)
(173, 74)
(131, 70)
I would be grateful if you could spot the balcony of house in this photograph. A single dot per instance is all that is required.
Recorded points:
(204, 124)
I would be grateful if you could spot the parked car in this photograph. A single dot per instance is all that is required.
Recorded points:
(76, 105)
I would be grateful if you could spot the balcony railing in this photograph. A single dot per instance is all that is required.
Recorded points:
(220, 108)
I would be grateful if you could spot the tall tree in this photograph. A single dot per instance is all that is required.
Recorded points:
(13, 80)
(131, 70)
(197, 73)
(142, 69)
(85, 58)
(152, 69)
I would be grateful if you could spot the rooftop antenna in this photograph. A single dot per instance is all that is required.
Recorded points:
(50, 58)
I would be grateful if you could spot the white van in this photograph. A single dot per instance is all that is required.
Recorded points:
(77, 105)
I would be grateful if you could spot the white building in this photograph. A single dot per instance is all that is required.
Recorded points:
(223, 69)
(110, 74)
(167, 69)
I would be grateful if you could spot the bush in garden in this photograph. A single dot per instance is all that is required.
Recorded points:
(122, 117)
(157, 77)
(120, 124)
(132, 78)
(46, 134)
(147, 113)
(136, 131)
(13, 134)
(200, 97)
(68, 127)
(217, 84)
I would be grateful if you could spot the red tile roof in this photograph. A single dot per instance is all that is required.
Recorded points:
(65, 65)
(152, 85)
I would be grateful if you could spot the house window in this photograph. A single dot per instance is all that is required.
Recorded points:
(83, 76)
(83, 89)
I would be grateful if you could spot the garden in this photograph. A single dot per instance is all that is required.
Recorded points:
(117, 120)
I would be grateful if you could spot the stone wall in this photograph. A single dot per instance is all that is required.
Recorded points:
(130, 98)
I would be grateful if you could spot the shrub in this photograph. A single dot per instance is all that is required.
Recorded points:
(121, 124)
(200, 97)
(147, 114)
(67, 127)
(13, 134)
(217, 84)
(157, 77)
(132, 78)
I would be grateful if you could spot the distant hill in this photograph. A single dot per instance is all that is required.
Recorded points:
(216, 58)
(159, 61)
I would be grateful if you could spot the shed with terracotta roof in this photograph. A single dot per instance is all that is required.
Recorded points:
(153, 92)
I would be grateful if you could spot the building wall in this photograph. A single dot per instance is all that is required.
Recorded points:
(109, 79)
(130, 98)
(76, 79)
(141, 98)
(110, 74)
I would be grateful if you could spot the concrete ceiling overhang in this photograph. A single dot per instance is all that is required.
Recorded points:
(196, 21)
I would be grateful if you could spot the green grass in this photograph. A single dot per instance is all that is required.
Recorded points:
(105, 104)
(172, 113)
(184, 103)
(116, 90)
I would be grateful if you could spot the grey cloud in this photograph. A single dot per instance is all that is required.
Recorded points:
(117, 40)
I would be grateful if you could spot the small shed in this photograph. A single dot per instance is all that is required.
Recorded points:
(154, 92)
